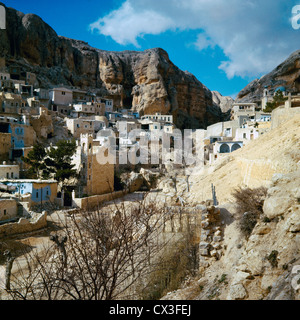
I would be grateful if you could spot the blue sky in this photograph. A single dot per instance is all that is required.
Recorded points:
(224, 43)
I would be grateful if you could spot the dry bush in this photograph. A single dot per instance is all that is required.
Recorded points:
(178, 261)
(98, 255)
(250, 207)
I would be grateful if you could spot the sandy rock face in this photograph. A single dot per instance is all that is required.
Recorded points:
(225, 103)
(147, 81)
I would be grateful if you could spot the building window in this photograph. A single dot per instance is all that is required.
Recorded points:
(63, 93)
(4, 212)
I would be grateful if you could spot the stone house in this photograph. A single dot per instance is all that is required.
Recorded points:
(8, 209)
(88, 109)
(4, 76)
(158, 117)
(11, 103)
(109, 104)
(61, 96)
(247, 134)
(5, 145)
(61, 100)
(42, 124)
(22, 135)
(247, 109)
(43, 96)
(125, 127)
(41, 191)
(79, 96)
(84, 126)
(9, 171)
(95, 178)
(24, 90)
(221, 148)
(223, 129)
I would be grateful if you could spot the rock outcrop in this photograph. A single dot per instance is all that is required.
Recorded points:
(225, 103)
(287, 75)
(147, 81)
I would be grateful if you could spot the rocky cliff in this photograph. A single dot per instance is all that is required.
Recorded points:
(265, 265)
(148, 81)
(287, 74)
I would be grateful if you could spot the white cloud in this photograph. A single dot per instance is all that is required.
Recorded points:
(255, 35)
(126, 24)
(203, 42)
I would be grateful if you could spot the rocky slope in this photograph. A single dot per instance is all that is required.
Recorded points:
(265, 265)
(287, 74)
(147, 80)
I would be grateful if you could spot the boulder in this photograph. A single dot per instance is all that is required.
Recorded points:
(237, 292)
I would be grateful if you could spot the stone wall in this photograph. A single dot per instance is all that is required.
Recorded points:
(23, 226)
(94, 202)
(211, 235)
(281, 115)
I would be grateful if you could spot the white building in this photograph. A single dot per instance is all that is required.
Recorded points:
(88, 109)
(222, 148)
(158, 117)
(80, 126)
(61, 96)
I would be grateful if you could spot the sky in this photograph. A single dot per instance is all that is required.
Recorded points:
(225, 43)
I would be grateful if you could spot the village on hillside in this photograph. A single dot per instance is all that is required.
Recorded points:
(29, 115)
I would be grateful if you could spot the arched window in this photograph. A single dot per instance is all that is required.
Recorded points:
(224, 148)
(235, 147)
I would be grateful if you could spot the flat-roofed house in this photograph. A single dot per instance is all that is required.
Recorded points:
(61, 100)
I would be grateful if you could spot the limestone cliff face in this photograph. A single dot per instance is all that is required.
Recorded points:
(148, 81)
(225, 103)
(287, 74)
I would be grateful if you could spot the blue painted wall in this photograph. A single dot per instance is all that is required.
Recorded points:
(36, 194)
(45, 193)
(17, 137)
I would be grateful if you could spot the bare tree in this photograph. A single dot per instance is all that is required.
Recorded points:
(103, 255)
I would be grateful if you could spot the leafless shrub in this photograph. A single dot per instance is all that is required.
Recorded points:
(178, 261)
(98, 255)
(250, 207)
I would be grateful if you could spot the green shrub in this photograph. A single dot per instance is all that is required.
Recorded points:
(272, 258)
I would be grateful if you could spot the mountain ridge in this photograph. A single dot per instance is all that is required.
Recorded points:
(148, 81)
(286, 74)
